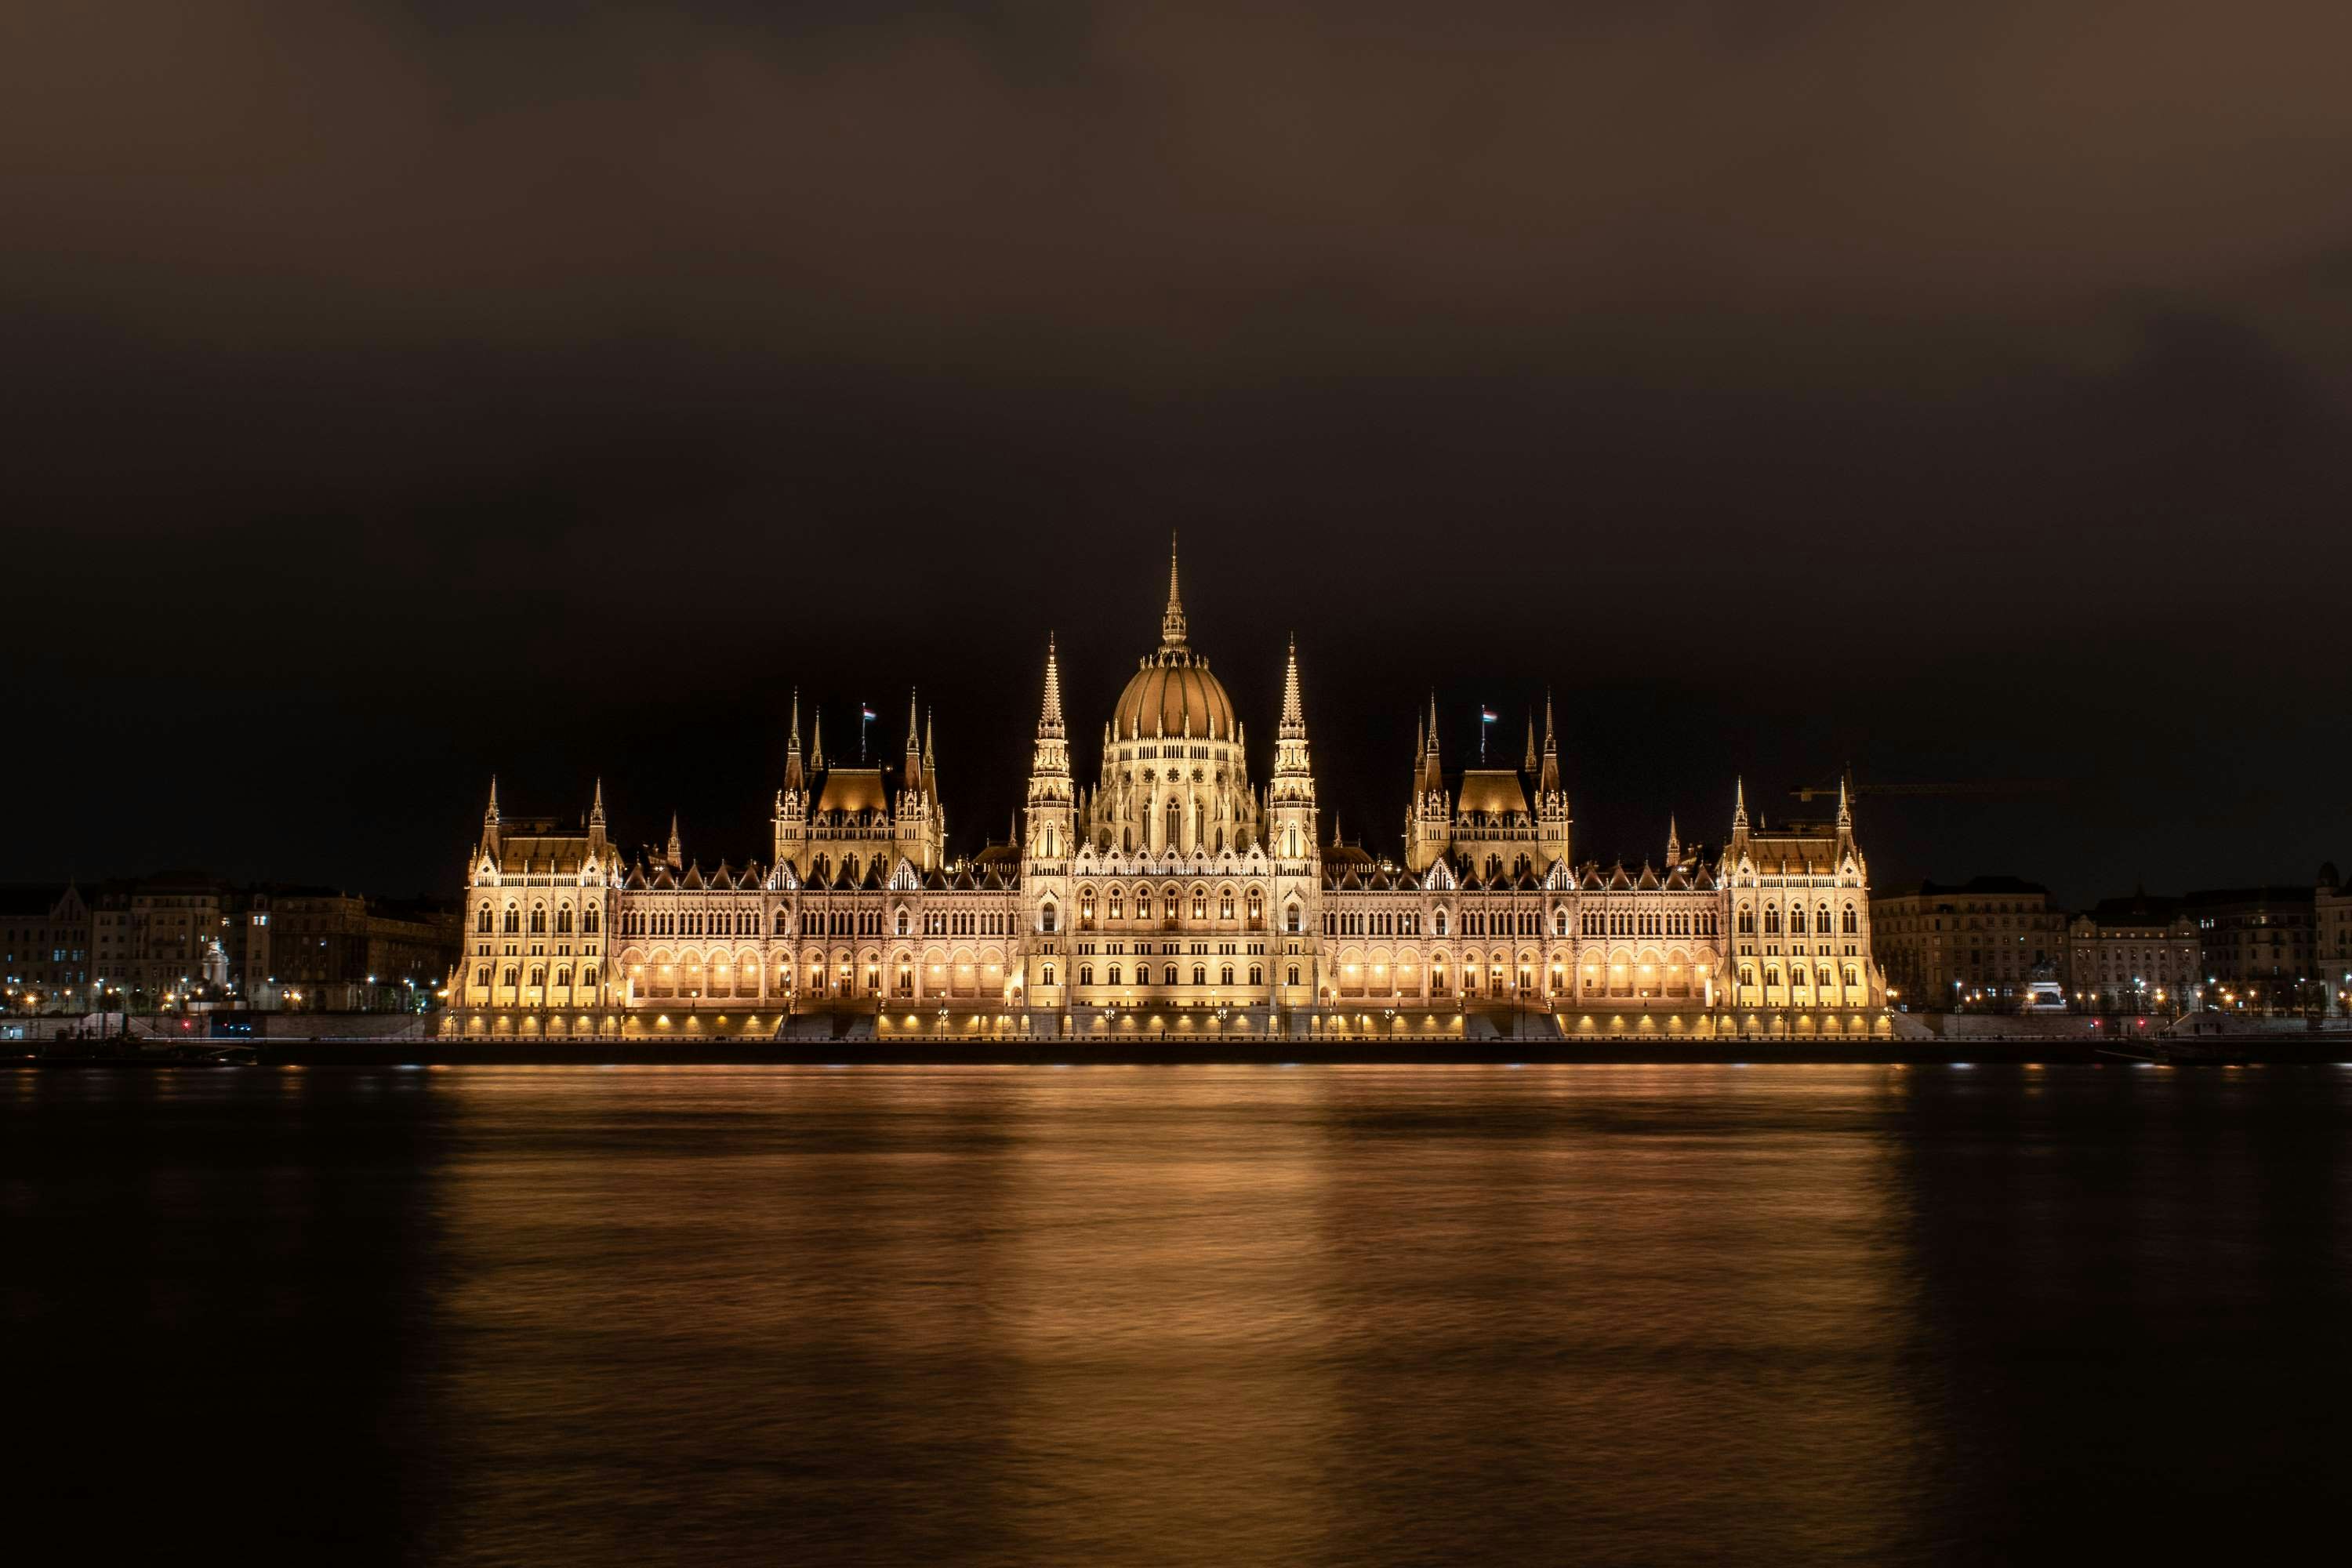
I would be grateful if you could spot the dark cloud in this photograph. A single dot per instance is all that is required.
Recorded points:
(1961, 390)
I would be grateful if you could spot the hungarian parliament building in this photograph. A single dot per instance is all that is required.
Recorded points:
(1171, 898)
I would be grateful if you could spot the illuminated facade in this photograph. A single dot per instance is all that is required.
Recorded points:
(1172, 896)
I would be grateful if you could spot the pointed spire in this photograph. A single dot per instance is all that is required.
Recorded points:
(1674, 843)
(1171, 622)
(1049, 718)
(1294, 711)
(1433, 720)
(795, 779)
(490, 815)
(1547, 781)
(914, 737)
(596, 806)
(816, 741)
(1739, 805)
(1529, 766)
(1846, 812)
(676, 860)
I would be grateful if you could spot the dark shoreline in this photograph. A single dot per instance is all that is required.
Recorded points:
(2288, 1051)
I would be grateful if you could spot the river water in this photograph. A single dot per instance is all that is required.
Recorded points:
(1189, 1315)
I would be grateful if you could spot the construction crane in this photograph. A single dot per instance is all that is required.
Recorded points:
(1963, 787)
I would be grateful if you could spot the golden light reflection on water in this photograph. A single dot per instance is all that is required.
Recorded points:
(1176, 1315)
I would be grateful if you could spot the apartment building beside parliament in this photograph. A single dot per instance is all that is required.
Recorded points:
(1171, 895)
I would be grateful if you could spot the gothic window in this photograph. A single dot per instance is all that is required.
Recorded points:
(589, 922)
(1441, 922)
(1796, 919)
(1226, 974)
(562, 978)
(1257, 974)
(1114, 975)
(1559, 922)
(510, 976)
(513, 921)
(482, 924)
(1290, 920)
(1045, 917)
(1771, 974)
(1200, 903)
(482, 976)
(1225, 904)
(1827, 979)
(1257, 905)
(1853, 976)
(1493, 865)
(1771, 921)
(1045, 975)
(1747, 920)
(1172, 975)
(903, 922)
(1850, 927)
(1117, 905)
(1175, 823)
(1200, 974)
(1086, 974)
(1293, 980)
(1747, 974)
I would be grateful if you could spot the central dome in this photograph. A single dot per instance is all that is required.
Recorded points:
(1168, 694)
(1173, 694)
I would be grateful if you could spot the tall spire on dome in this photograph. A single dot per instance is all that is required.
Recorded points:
(1171, 622)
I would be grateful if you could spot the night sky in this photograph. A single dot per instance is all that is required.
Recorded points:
(395, 395)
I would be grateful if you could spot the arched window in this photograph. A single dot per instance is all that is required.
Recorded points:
(1172, 975)
(539, 919)
(1441, 922)
(1771, 921)
(587, 975)
(1853, 976)
(1117, 905)
(1225, 904)
(1226, 974)
(1114, 975)
(589, 920)
(511, 971)
(1045, 975)
(563, 920)
(1747, 923)
(1200, 974)
(1771, 974)
(1175, 824)
(903, 922)
(1796, 919)
(781, 924)
(1086, 974)
(1257, 905)
(513, 921)
(1747, 974)
(482, 976)
(482, 924)
(1293, 980)
(1851, 928)
(1822, 921)
(563, 977)
(1290, 918)
(1257, 974)
(1045, 916)
(1200, 903)
(1559, 922)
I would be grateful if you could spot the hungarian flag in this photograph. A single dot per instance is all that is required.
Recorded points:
(868, 714)
(1485, 716)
